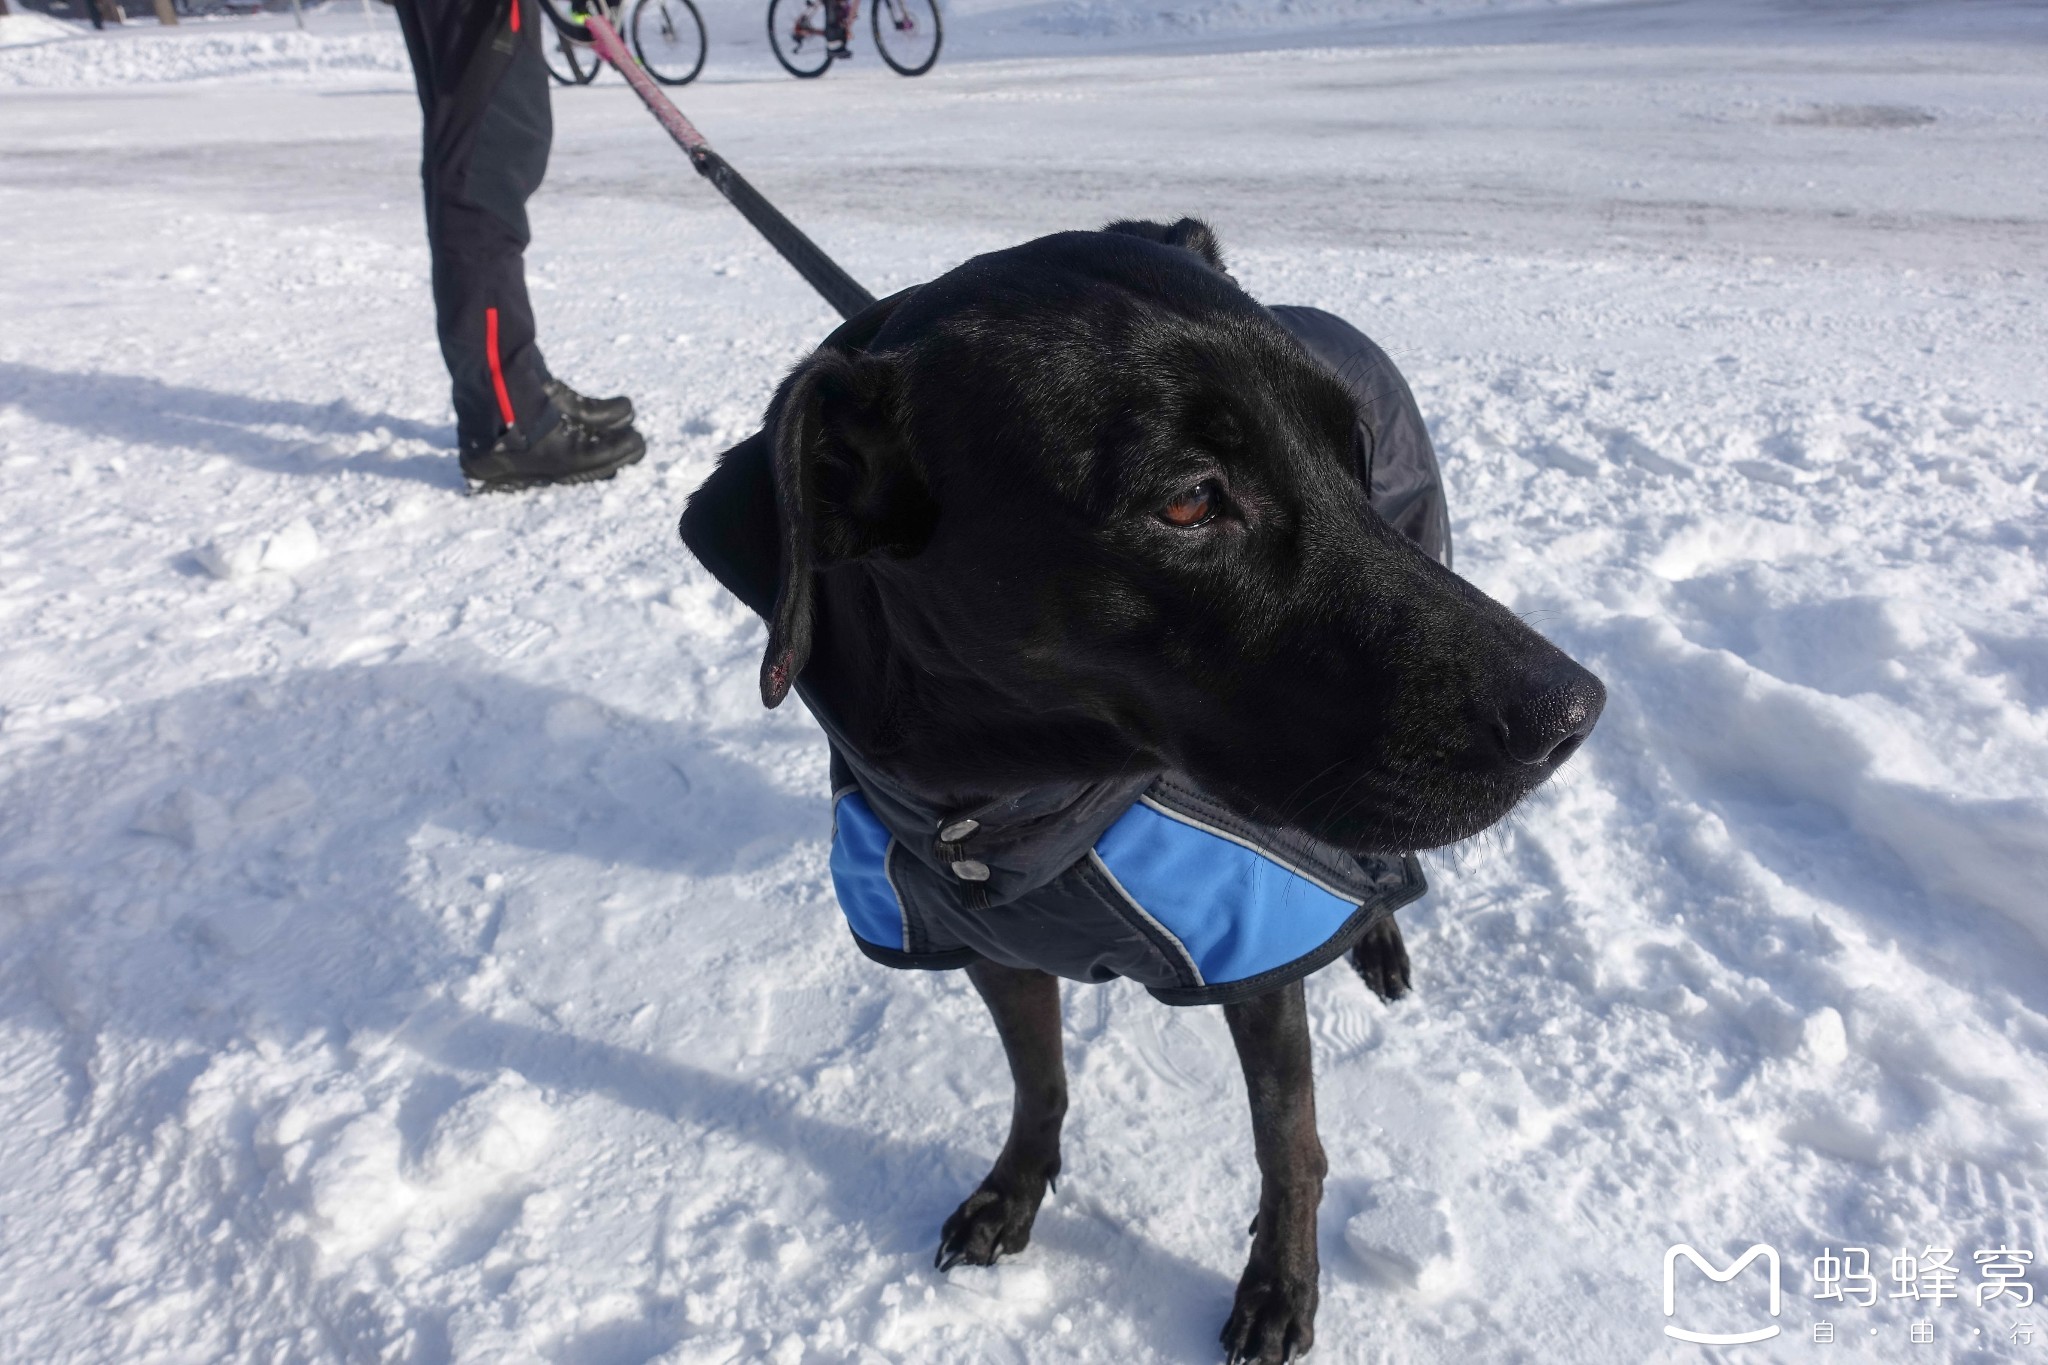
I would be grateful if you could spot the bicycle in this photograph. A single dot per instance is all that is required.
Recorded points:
(808, 34)
(667, 38)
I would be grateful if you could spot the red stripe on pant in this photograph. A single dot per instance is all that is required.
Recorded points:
(515, 16)
(497, 368)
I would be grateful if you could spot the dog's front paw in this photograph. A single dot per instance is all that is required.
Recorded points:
(1274, 1319)
(995, 1221)
(1381, 958)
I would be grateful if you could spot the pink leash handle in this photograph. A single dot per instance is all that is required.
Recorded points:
(612, 48)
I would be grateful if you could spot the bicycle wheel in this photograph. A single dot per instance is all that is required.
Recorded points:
(569, 61)
(668, 38)
(907, 34)
(796, 30)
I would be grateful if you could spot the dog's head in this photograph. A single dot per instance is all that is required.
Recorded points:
(1105, 510)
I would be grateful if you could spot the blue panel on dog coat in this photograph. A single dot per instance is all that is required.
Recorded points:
(1237, 911)
(860, 873)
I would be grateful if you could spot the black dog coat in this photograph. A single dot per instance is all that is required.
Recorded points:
(1148, 877)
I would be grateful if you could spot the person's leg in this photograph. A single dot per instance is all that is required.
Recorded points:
(488, 131)
(487, 330)
(484, 91)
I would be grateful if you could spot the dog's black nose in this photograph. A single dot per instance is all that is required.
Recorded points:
(1556, 710)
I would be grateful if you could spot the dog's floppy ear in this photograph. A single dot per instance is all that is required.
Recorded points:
(845, 487)
(1191, 233)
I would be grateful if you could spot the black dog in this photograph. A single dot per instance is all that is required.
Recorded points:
(1074, 553)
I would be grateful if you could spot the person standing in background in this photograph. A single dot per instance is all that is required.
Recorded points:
(484, 93)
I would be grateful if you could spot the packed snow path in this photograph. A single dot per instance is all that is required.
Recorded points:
(415, 941)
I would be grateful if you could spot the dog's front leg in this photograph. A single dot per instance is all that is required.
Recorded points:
(1274, 1317)
(997, 1217)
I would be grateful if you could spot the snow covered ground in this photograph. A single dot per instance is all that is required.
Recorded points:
(415, 941)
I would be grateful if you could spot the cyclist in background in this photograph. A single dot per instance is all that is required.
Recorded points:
(838, 27)
(484, 92)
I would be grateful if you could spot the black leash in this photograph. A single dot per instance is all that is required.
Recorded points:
(823, 273)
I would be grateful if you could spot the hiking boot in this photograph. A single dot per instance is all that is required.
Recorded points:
(571, 452)
(602, 413)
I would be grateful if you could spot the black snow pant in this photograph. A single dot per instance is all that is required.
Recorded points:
(484, 90)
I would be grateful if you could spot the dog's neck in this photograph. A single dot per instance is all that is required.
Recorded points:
(932, 724)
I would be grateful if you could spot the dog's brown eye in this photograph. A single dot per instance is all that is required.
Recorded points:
(1193, 506)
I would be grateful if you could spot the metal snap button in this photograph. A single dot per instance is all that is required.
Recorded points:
(971, 870)
(958, 830)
